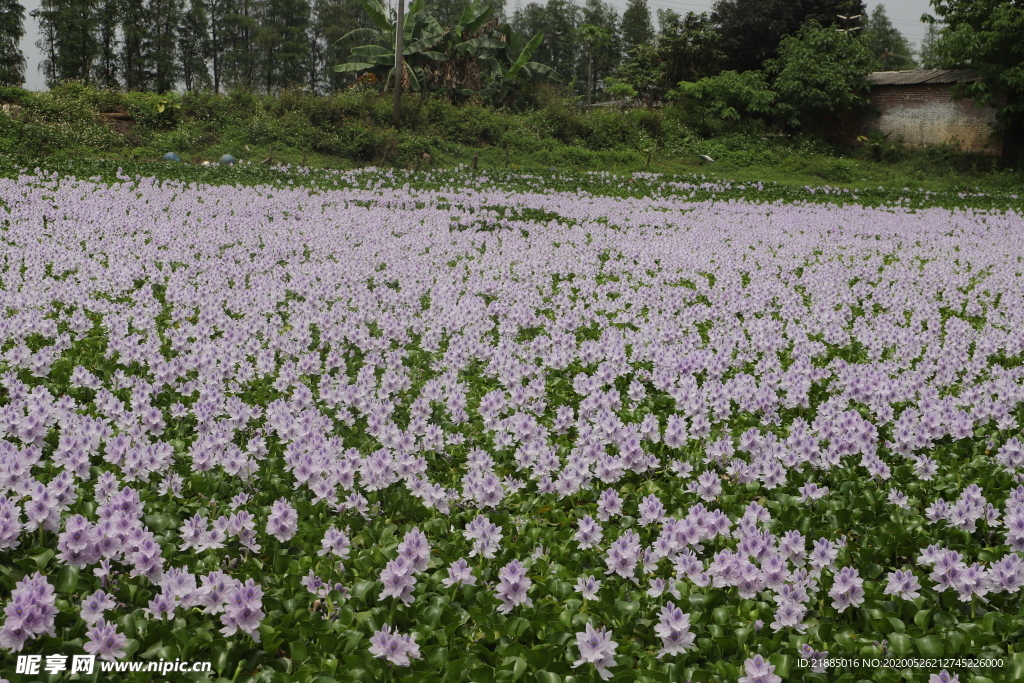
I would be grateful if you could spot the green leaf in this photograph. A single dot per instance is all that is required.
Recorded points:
(67, 579)
(930, 646)
(42, 558)
(900, 643)
(437, 657)
(921, 619)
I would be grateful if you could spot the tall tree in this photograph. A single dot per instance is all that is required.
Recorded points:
(592, 37)
(986, 35)
(929, 52)
(239, 55)
(332, 19)
(601, 62)
(685, 49)
(637, 28)
(557, 20)
(218, 11)
(752, 29)
(134, 36)
(69, 39)
(12, 28)
(820, 74)
(108, 16)
(283, 43)
(890, 48)
(161, 46)
(46, 15)
(194, 47)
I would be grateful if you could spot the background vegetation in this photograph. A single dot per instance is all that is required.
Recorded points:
(353, 128)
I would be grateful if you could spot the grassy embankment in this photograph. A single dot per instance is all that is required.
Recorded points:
(354, 129)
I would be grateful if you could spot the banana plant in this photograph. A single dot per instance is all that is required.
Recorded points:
(468, 44)
(513, 64)
(374, 48)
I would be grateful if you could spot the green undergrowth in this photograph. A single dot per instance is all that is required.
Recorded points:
(353, 129)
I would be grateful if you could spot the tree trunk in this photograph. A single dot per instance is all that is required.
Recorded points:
(397, 71)
(590, 75)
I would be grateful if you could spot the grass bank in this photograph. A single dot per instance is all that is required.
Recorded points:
(353, 129)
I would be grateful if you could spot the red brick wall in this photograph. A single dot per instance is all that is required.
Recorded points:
(927, 115)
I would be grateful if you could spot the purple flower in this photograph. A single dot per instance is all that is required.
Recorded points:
(588, 587)
(623, 555)
(398, 577)
(459, 573)
(397, 648)
(243, 610)
(903, 584)
(944, 677)
(283, 521)
(93, 606)
(513, 585)
(486, 537)
(162, 607)
(609, 504)
(651, 510)
(759, 671)
(790, 614)
(334, 542)
(105, 642)
(589, 533)
(597, 648)
(674, 631)
(30, 612)
(848, 589)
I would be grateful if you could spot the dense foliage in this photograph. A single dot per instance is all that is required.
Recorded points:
(376, 425)
(985, 35)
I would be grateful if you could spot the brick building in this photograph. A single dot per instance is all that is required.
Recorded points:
(918, 107)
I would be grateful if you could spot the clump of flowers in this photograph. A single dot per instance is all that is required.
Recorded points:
(397, 648)
(596, 647)
(30, 613)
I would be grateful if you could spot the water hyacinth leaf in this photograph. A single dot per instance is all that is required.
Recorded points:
(437, 657)
(298, 650)
(900, 643)
(67, 579)
(930, 646)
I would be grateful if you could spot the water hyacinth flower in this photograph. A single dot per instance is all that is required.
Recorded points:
(243, 610)
(30, 613)
(399, 579)
(486, 537)
(588, 587)
(759, 671)
(596, 647)
(623, 555)
(513, 585)
(589, 533)
(674, 631)
(944, 677)
(397, 648)
(904, 584)
(105, 642)
(847, 590)
(95, 605)
(459, 574)
(283, 521)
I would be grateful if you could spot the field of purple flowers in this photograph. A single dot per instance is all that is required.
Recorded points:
(490, 432)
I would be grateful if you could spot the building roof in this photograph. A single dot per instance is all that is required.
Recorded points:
(924, 77)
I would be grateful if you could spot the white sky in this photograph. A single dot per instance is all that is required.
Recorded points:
(905, 14)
